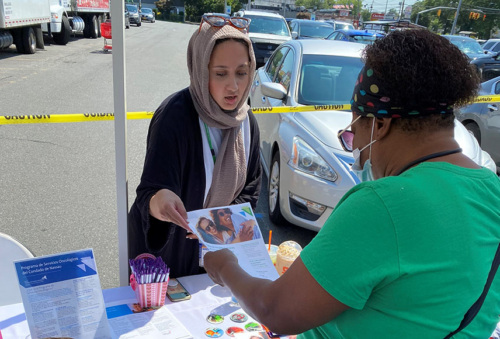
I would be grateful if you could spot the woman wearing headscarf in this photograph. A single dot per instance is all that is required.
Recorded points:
(409, 252)
(202, 147)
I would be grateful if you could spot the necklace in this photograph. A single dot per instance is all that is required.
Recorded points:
(428, 157)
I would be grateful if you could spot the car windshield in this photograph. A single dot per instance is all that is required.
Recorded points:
(132, 9)
(315, 31)
(340, 25)
(468, 46)
(363, 39)
(147, 10)
(268, 25)
(327, 79)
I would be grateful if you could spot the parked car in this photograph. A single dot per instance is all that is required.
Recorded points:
(267, 31)
(310, 29)
(488, 67)
(492, 45)
(482, 119)
(308, 169)
(127, 18)
(467, 45)
(338, 24)
(134, 17)
(354, 35)
(147, 14)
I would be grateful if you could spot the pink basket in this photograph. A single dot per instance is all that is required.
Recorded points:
(150, 295)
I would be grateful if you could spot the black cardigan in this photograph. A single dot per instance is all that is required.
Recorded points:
(174, 160)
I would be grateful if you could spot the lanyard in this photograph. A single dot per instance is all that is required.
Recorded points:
(428, 157)
(210, 142)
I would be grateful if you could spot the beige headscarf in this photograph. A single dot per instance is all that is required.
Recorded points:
(230, 168)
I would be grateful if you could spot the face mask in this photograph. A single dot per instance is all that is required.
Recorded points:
(364, 173)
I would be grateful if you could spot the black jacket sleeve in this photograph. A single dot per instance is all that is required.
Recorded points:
(251, 191)
(174, 161)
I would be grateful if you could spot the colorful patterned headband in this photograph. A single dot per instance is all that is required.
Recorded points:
(371, 99)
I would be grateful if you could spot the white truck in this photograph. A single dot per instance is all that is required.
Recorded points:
(76, 16)
(20, 24)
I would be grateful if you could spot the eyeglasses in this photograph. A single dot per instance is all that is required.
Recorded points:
(209, 226)
(346, 136)
(219, 21)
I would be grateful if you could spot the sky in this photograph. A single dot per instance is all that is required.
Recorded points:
(380, 5)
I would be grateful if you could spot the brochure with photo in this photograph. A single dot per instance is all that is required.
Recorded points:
(235, 228)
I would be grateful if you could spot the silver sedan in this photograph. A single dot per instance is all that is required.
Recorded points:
(308, 169)
(483, 120)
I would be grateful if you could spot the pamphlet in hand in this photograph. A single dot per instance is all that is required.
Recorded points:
(62, 296)
(235, 228)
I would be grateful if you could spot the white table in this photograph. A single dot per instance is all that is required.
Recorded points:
(206, 298)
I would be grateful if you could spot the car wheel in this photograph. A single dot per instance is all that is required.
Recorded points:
(274, 191)
(474, 128)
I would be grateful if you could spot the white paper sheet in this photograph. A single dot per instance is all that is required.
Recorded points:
(252, 254)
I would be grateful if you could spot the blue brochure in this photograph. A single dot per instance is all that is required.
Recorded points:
(62, 295)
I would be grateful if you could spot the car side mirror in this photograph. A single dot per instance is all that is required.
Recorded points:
(273, 90)
(294, 35)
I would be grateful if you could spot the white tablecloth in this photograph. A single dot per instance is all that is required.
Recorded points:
(206, 298)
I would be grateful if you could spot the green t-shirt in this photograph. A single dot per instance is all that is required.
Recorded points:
(410, 254)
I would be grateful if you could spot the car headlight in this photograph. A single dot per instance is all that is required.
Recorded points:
(304, 158)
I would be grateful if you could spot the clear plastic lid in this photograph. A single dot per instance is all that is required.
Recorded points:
(289, 249)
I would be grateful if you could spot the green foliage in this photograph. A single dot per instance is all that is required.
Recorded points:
(366, 15)
(164, 7)
(196, 8)
(443, 23)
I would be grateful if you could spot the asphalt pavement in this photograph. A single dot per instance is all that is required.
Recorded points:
(57, 182)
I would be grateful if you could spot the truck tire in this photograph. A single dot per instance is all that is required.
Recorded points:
(94, 30)
(39, 37)
(86, 29)
(17, 37)
(29, 40)
(62, 38)
(100, 20)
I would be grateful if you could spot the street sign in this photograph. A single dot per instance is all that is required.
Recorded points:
(228, 9)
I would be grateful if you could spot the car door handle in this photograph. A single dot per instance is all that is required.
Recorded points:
(492, 108)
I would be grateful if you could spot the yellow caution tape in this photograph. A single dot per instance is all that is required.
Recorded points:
(63, 118)
(292, 109)
(487, 98)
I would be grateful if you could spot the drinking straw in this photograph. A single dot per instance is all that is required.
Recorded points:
(270, 236)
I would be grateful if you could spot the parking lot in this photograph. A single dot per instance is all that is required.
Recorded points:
(58, 180)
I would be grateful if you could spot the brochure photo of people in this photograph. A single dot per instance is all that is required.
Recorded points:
(225, 225)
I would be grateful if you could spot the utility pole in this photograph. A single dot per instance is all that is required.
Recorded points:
(385, 12)
(402, 9)
(456, 18)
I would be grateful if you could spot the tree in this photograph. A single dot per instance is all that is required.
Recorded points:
(164, 7)
(366, 15)
(444, 22)
(196, 8)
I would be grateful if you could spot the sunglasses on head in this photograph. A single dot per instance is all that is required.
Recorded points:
(346, 136)
(219, 21)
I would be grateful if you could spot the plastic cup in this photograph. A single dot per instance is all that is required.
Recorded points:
(286, 255)
(272, 253)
